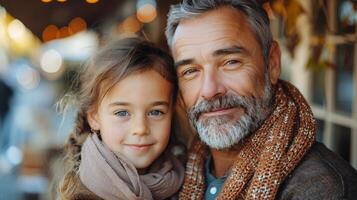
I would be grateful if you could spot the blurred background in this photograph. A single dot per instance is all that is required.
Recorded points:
(43, 44)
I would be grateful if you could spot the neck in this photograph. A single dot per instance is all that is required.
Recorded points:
(142, 171)
(223, 160)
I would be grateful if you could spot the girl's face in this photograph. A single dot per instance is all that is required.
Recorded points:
(134, 117)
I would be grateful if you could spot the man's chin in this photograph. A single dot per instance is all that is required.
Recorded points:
(217, 138)
(218, 146)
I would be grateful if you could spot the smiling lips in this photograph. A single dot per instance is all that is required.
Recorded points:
(222, 111)
(139, 147)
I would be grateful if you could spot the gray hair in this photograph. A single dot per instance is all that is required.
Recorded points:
(256, 16)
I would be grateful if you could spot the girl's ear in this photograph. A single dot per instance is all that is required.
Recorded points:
(92, 118)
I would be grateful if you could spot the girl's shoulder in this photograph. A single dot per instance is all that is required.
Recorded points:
(73, 189)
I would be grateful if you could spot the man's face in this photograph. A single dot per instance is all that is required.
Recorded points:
(222, 78)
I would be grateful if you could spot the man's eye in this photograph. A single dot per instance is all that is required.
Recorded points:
(156, 113)
(122, 113)
(232, 62)
(189, 72)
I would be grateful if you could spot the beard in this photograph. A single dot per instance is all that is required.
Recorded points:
(224, 131)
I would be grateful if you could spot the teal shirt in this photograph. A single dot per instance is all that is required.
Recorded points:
(213, 184)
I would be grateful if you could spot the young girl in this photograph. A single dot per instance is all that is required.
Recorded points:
(119, 149)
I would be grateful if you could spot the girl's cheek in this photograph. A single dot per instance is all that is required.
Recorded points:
(122, 133)
(118, 135)
(163, 128)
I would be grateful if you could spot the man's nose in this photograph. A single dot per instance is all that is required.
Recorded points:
(139, 125)
(212, 86)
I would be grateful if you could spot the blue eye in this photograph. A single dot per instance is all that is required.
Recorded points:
(122, 113)
(156, 113)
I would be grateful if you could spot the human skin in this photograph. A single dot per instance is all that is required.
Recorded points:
(134, 118)
(217, 53)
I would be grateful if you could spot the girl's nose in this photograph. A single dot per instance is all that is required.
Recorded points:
(139, 125)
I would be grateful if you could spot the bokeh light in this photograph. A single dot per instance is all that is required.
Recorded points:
(64, 32)
(51, 32)
(77, 25)
(92, 1)
(130, 25)
(16, 29)
(28, 77)
(51, 61)
(146, 13)
(14, 155)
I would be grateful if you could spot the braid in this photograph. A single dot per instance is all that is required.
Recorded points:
(72, 157)
(75, 141)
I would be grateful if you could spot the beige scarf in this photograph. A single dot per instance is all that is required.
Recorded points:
(267, 156)
(112, 176)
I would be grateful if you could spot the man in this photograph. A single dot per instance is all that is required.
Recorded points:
(256, 132)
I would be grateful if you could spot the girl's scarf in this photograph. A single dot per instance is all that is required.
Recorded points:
(112, 176)
(267, 156)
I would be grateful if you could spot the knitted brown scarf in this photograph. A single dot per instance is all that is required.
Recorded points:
(267, 156)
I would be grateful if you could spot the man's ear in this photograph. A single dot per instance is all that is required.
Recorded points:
(274, 62)
(92, 118)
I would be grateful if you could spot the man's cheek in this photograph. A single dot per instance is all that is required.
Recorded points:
(187, 96)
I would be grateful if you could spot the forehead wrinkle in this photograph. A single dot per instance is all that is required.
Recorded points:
(196, 39)
(224, 30)
(182, 49)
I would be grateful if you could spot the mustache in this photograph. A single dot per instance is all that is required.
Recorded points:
(221, 102)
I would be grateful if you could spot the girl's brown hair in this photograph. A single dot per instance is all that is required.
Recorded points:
(109, 66)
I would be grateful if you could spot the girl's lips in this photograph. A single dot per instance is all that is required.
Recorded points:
(139, 147)
(223, 111)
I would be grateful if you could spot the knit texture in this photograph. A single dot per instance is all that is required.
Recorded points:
(267, 156)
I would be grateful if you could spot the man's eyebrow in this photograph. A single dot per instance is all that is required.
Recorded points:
(224, 51)
(183, 62)
(230, 50)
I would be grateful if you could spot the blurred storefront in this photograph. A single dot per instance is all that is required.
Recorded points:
(319, 45)
(43, 44)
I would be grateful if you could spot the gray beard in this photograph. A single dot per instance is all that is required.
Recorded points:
(223, 132)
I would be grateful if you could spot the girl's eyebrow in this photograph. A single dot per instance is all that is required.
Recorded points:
(156, 103)
(118, 103)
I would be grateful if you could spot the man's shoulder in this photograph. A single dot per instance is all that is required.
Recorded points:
(320, 175)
